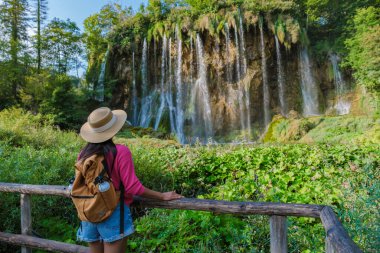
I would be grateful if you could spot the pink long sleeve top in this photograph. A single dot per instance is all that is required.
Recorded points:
(123, 171)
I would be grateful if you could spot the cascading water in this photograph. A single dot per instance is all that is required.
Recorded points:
(342, 106)
(245, 86)
(280, 78)
(191, 60)
(134, 92)
(200, 100)
(238, 70)
(242, 45)
(100, 87)
(308, 86)
(179, 97)
(266, 95)
(228, 53)
(241, 96)
(162, 86)
(169, 93)
(176, 95)
(146, 101)
(240, 91)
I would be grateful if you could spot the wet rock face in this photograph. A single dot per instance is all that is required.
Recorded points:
(234, 81)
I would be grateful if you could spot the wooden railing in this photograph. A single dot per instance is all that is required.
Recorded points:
(337, 239)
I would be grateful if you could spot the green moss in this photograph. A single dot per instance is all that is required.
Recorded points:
(338, 129)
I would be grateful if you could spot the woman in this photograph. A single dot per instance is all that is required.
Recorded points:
(102, 124)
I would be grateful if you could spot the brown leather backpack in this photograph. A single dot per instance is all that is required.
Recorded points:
(93, 203)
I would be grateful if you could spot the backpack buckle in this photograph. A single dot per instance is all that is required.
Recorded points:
(98, 180)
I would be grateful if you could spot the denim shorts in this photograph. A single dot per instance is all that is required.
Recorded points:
(108, 230)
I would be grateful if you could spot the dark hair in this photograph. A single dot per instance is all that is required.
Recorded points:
(102, 149)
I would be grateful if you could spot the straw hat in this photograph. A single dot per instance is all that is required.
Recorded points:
(102, 124)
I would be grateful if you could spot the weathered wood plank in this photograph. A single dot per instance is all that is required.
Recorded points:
(233, 207)
(57, 190)
(328, 246)
(217, 206)
(278, 234)
(38, 243)
(26, 218)
(336, 235)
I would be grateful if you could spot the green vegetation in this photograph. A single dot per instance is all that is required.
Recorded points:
(317, 160)
(364, 56)
(344, 176)
(342, 129)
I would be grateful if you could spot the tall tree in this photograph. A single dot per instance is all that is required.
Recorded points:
(40, 16)
(14, 17)
(96, 30)
(62, 45)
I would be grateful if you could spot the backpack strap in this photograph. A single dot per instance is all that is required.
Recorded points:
(121, 208)
(114, 152)
(100, 177)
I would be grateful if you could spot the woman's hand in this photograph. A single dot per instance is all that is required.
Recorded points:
(171, 195)
(148, 193)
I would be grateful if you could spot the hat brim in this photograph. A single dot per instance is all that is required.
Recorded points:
(89, 135)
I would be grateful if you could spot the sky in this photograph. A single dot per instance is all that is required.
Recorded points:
(79, 10)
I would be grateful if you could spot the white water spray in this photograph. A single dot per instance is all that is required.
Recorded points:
(162, 86)
(179, 97)
(308, 86)
(134, 92)
(266, 95)
(280, 78)
(100, 88)
(146, 101)
(200, 97)
(342, 106)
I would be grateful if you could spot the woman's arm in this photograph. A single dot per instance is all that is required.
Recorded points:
(148, 193)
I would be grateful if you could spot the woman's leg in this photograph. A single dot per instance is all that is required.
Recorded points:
(96, 247)
(118, 246)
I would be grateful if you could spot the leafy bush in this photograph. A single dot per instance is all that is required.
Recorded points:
(363, 46)
(192, 231)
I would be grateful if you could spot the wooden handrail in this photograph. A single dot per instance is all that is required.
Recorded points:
(39, 243)
(337, 239)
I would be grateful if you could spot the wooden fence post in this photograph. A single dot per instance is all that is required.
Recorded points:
(26, 219)
(328, 246)
(278, 234)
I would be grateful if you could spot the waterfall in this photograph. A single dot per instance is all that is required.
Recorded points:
(342, 106)
(179, 97)
(162, 86)
(267, 116)
(242, 45)
(201, 114)
(238, 70)
(146, 101)
(308, 85)
(155, 63)
(280, 78)
(243, 72)
(169, 94)
(228, 53)
(240, 91)
(134, 92)
(100, 88)
(191, 60)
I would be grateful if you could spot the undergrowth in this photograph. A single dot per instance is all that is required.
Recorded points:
(345, 176)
